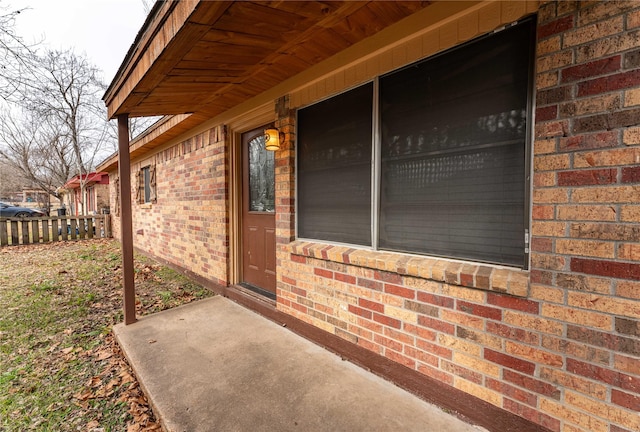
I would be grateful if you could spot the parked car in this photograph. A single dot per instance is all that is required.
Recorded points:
(8, 210)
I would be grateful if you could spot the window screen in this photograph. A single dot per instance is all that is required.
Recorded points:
(453, 155)
(334, 168)
(453, 151)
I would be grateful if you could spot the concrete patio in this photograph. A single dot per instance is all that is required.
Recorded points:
(215, 366)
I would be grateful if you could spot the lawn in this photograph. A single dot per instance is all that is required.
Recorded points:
(60, 368)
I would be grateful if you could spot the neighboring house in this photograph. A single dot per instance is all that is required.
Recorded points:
(96, 194)
(34, 198)
(31, 198)
(454, 203)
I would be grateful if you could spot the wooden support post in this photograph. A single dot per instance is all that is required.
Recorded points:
(126, 221)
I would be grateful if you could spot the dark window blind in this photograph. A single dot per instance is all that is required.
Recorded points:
(453, 151)
(334, 168)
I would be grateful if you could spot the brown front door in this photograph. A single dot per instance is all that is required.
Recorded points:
(258, 213)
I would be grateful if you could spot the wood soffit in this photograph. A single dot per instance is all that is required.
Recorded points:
(205, 57)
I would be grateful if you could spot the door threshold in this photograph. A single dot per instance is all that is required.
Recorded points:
(253, 290)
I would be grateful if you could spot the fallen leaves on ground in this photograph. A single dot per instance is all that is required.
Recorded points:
(60, 367)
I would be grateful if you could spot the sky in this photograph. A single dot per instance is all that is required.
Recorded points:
(102, 29)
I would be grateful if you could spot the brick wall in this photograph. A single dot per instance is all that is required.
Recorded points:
(188, 225)
(114, 197)
(561, 349)
(585, 260)
(102, 197)
(558, 344)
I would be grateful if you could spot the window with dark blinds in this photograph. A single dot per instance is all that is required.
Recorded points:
(334, 168)
(453, 155)
(453, 162)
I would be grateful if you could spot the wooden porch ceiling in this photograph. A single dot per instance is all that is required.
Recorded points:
(204, 57)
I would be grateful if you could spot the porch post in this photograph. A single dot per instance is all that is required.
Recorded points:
(126, 229)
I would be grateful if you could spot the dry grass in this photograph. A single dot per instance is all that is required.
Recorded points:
(60, 369)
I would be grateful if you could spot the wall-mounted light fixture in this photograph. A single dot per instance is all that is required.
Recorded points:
(272, 139)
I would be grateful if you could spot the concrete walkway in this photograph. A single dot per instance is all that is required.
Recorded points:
(216, 366)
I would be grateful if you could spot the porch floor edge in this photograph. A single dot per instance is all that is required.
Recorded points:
(215, 365)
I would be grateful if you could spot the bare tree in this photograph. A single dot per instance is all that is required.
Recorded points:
(147, 5)
(69, 100)
(53, 122)
(57, 129)
(137, 127)
(18, 60)
(11, 181)
(35, 150)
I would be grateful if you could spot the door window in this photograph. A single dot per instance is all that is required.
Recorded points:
(261, 177)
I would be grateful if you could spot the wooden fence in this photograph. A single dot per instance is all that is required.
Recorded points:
(23, 231)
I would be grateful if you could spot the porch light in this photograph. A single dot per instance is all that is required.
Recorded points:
(272, 139)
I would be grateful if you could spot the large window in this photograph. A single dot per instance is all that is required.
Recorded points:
(451, 157)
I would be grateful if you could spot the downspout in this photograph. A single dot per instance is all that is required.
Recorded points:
(126, 220)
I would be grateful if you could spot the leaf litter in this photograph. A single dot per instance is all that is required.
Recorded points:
(60, 366)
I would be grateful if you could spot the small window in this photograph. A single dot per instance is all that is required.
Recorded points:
(147, 184)
(261, 177)
(146, 190)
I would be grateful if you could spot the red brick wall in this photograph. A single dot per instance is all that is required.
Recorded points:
(561, 348)
(558, 344)
(585, 260)
(188, 225)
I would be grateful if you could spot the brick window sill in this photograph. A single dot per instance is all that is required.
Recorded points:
(146, 206)
(467, 274)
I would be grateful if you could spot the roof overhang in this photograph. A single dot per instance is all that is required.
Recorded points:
(87, 179)
(205, 57)
(160, 132)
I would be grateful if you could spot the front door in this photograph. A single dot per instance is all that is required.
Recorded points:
(258, 213)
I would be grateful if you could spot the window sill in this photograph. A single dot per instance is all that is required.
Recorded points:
(486, 277)
(146, 206)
